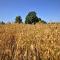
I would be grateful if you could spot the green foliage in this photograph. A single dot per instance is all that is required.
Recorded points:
(39, 19)
(18, 19)
(31, 18)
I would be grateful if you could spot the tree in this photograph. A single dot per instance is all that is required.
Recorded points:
(31, 18)
(18, 19)
(2, 22)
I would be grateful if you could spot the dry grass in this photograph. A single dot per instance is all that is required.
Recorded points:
(30, 42)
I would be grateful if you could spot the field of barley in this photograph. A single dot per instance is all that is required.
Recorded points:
(30, 42)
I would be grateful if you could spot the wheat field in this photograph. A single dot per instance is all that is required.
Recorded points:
(30, 42)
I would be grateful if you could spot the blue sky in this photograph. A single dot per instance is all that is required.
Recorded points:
(48, 10)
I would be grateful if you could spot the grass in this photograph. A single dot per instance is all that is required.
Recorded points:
(30, 42)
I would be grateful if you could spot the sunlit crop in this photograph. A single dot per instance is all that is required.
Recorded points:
(30, 42)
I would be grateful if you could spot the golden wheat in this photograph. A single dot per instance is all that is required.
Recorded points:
(30, 42)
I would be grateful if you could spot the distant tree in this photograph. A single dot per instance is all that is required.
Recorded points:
(31, 18)
(18, 19)
(2, 22)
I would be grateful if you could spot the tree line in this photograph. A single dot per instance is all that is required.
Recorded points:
(31, 18)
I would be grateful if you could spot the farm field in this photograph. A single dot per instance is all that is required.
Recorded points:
(30, 42)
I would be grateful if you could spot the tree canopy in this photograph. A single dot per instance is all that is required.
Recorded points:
(18, 19)
(32, 18)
